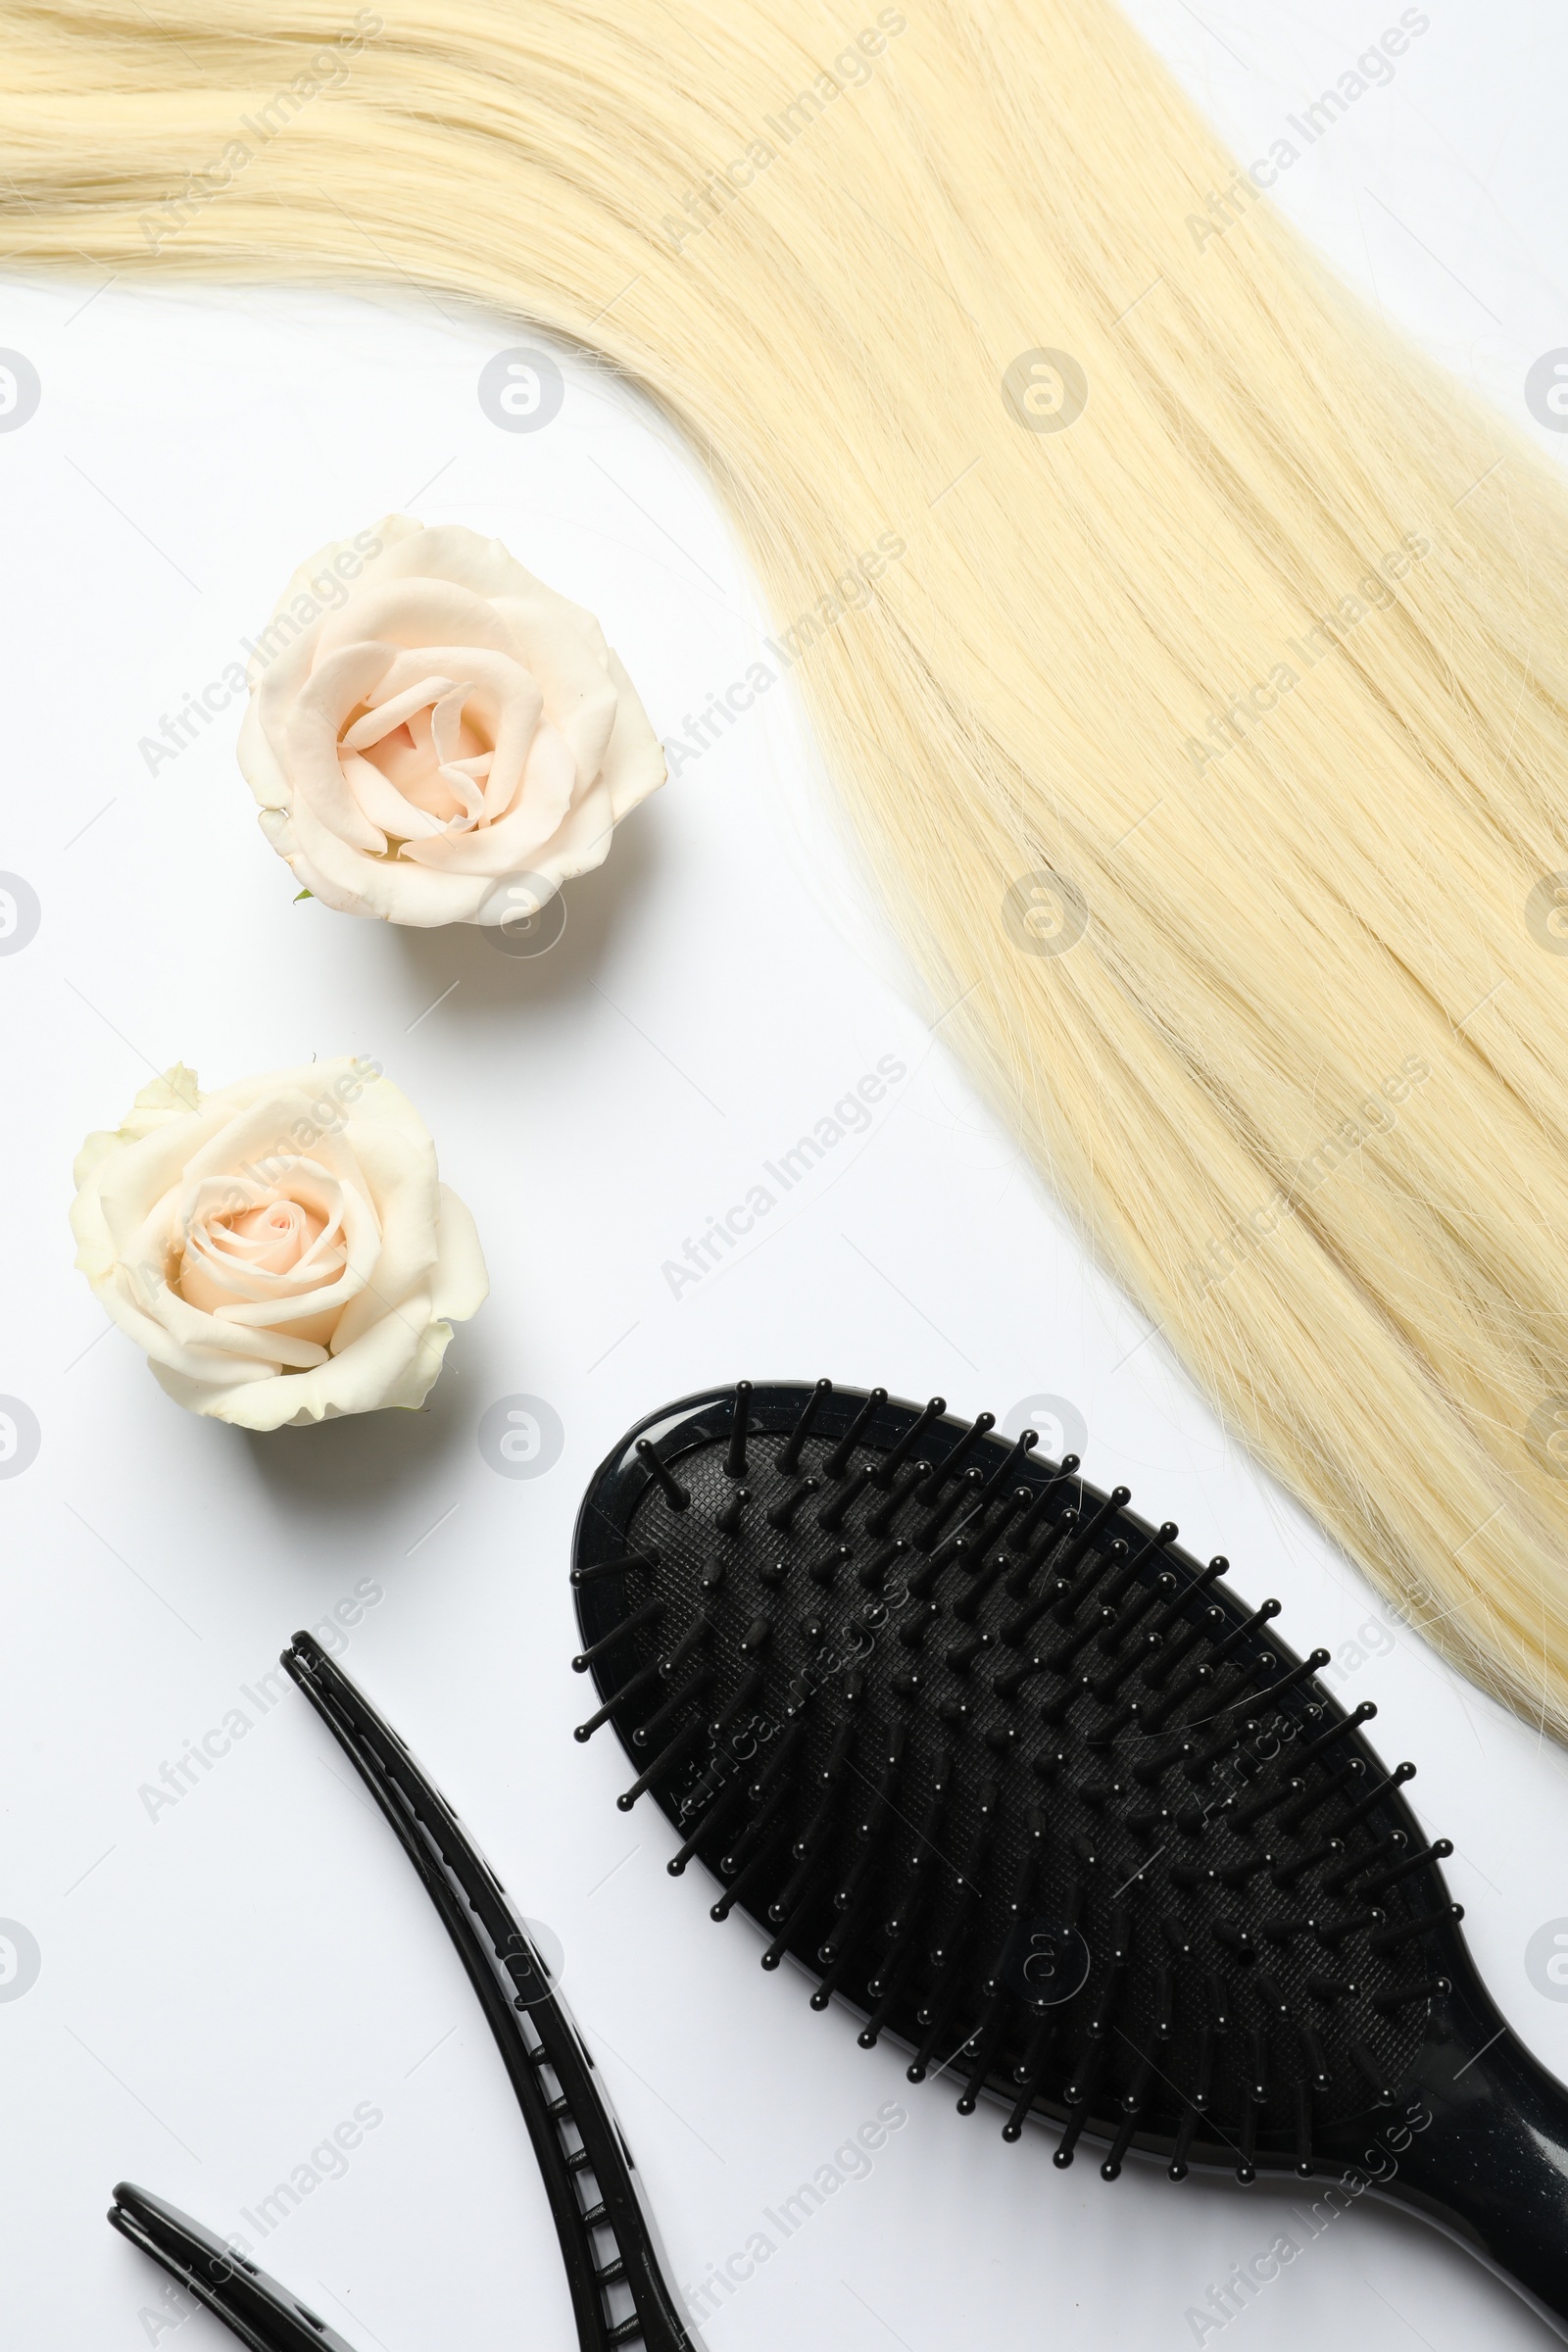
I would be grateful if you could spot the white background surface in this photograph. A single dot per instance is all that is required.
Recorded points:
(221, 1985)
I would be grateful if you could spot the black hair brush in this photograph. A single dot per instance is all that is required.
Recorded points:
(1038, 1797)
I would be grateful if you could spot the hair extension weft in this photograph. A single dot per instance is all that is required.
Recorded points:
(1208, 739)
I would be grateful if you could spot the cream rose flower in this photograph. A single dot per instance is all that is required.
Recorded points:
(281, 1248)
(435, 736)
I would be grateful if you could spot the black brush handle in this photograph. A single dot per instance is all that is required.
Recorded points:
(1486, 2158)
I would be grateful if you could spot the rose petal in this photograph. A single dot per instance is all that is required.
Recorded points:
(564, 647)
(371, 1169)
(400, 1178)
(580, 841)
(415, 612)
(396, 892)
(495, 796)
(373, 1373)
(509, 846)
(336, 684)
(263, 733)
(395, 1364)
(282, 832)
(462, 1278)
(276, 1249)
(449, 551)
(635, 763)
(507, 697)
(384, 804)
(382, 718)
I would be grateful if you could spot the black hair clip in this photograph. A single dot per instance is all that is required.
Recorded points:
(260, 2312)
(608, 2241)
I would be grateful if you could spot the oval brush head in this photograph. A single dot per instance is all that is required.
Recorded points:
(1011, 1775)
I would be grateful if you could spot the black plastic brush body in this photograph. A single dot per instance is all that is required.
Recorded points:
(1037, 1795)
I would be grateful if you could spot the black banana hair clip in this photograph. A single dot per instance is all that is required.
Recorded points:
(607, 2241)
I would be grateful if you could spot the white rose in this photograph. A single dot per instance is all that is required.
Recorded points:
(435, 736)
(281, 1248)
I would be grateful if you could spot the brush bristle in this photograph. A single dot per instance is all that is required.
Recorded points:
(1010, 1775)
